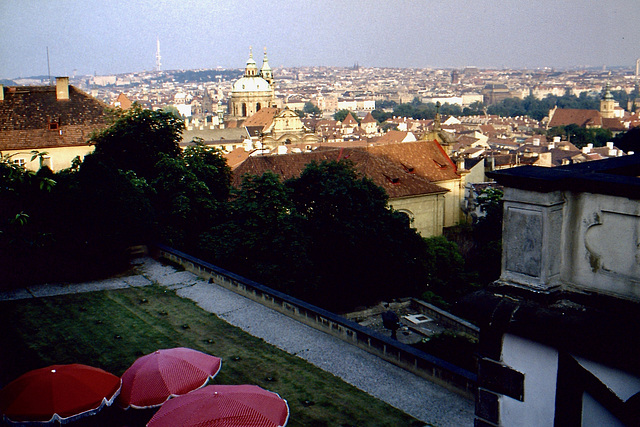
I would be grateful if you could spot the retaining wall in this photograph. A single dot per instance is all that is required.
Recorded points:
(404, 356)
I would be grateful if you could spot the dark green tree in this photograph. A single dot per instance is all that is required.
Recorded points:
(487, 233)
(447, 279)
(261, 237)
(138, 139)
(311, 108)
(362, 251)
(628, 141)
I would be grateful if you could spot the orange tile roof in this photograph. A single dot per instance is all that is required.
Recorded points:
(426, 158)
(263, 117)
(369, 119)
(568, 116)
(396, 180)
(392, 137)
(349, 120)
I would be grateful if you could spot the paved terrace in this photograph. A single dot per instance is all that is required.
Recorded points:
(410, 393)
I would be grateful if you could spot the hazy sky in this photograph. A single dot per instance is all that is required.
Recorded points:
(114, 36)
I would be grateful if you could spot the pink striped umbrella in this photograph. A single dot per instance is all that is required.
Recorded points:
(163, 374)
(224, 406)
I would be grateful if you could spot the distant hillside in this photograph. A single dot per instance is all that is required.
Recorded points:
(192, 76)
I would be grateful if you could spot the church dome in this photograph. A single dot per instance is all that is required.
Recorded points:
(251, 84)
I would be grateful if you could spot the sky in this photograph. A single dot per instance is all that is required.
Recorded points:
(118, 36)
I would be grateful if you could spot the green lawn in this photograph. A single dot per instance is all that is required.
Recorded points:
(110, 329)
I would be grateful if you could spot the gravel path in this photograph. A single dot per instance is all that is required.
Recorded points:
(414, 395)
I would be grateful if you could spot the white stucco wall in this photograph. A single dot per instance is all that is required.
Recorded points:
(581, 241)
(58, 158)
(601, 252)
(539, 364)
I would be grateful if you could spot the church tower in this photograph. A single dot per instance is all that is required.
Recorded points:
(251, 70)
(266, 72)
(607, 104)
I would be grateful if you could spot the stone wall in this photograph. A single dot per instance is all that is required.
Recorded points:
(439, 371)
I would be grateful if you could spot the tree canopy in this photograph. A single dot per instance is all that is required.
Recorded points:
(327, 236)
(138, 139)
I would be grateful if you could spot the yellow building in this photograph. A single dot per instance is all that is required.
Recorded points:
(53, 121)
(274, 127)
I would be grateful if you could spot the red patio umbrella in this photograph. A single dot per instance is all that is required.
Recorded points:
(156, 377)
(58, 393)
(224, 406)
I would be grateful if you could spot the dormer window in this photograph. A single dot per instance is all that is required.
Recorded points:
(394, 181)
(440, 165)
(54, 126)
(408, 169)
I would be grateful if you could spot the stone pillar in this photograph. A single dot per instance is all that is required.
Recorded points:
(532, 236)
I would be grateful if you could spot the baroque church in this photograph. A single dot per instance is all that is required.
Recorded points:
(254, 91)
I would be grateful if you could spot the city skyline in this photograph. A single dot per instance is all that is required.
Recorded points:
(120, 37)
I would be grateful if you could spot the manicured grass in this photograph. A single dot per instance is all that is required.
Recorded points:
(110, 329)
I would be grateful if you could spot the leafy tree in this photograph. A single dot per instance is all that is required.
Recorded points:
(173, 110)
(261, 237)
(580, 136)
(446, 271)
(476, 108)
(385, 104)
(487, 255)
(189, 194)
(138, 139)
(362, 251)
(311, 108)
(628, 141)
(210, 167)
(381, 116)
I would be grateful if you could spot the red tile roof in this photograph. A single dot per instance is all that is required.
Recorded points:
(568, 116)
(426, 158)
(395, 179)
(349, 120)
(369, 119)
(263, 117)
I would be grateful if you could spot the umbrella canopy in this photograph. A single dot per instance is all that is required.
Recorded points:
(163, 374)
(60, 393)
(222, 406)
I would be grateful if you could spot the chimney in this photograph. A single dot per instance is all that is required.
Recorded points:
(610, 145)
(62, 88)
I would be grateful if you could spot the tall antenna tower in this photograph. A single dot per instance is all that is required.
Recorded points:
(158, 63)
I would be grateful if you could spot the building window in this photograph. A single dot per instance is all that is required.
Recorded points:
(19, 162)
(53, 126)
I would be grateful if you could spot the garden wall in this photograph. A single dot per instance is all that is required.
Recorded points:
(404, 356)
